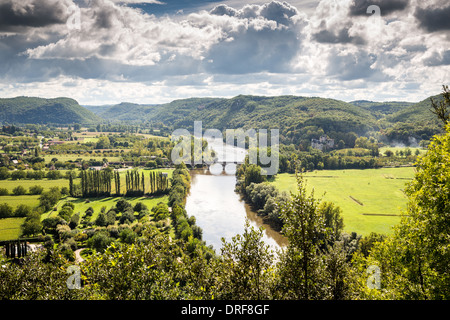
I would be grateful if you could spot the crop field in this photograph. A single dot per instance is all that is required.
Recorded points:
(371, 200)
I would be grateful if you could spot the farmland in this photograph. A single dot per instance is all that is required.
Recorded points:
(371, 200)
(10, 228)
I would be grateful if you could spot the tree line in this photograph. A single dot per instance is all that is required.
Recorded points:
(98, 183)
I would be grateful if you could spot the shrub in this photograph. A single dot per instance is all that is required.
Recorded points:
(36, 190)
(49, 198)
(66, 213)
(127, 217)
(4, 192)
(74, 220)
(18, 175)
(19, 190)
(122, 205)
(99, 241)
(4, 173)
(22, 210)
(128, 236)
(6, 211)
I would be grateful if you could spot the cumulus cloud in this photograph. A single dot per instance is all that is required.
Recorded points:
(438, 59)
(434, 18)
(263, 38)
(270, 47)
(28, 13)
(359, 7)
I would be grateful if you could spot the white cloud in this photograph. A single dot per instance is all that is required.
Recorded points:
(262, 48)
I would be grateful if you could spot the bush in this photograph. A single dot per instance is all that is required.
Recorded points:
(49, 198)
(54, 175)
(66, 213)
(22, 210)
(50, 224)
(99, 241)
(74, 220)
(4, 192)
(19, 190)
(4, 173)
(101, 220)
(36, 190)
(18, 175)
(122, 205)
(128, 236)
(127, 217)
(6, 211)
(139, 207)
(67, 252)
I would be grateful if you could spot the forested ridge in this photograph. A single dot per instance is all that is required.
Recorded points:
(298, 118)
(38, 110)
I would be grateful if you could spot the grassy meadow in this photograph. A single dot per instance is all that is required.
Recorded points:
(371, 200)
(10, 228)
(45, 183)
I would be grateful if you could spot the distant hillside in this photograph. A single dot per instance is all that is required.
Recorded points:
(38, 110)
(382, 109)
(417, 113)
(250, 112)
(126, 111)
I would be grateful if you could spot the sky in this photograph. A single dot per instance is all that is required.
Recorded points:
(156, 51)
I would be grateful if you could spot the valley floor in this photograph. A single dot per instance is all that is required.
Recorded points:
(371, 200)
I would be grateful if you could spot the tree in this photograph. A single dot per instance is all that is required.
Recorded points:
(246, 270)
(49, 198)
(103, 143)
(415, 260)
(441, 109)
(22, 210)
(101, 220)
(333, 221)
(99, 241)
(300, 264)
(4, 173)
(6, 211)
(32, 224)
(19, 190)
(35, 190)
(74, 220)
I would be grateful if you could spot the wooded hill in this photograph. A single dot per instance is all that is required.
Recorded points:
(298, 118)
(23, 110)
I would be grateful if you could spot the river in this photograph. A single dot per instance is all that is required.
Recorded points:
(221, 212)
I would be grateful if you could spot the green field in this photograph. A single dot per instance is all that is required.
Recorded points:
(371, 200)
(45, 183)
(10, 228)
(83, 157)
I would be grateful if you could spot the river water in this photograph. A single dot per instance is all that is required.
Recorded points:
(221, 212)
